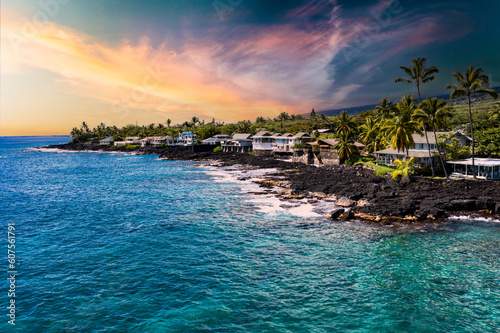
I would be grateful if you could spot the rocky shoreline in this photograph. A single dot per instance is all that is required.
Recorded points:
(356, 191)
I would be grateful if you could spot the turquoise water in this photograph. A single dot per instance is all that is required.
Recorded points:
(114, 243)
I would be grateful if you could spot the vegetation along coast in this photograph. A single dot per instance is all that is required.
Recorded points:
(416, 160)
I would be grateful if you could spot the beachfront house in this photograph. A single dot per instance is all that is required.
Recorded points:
(186, 139)
(486, 168)
(320, 152)
(241, 143)
(130, 140)
(263, 142)
(420, 151)
(157, 141)
(216, 139)
(107, 141)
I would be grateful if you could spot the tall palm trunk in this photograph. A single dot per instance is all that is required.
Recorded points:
(439, 152)
(472, 135)
(426, 136)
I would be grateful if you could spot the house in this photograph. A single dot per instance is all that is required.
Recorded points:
(241, 143)
(130, 140)
(186, 139)
(157, 141)
(216, 140)
(263, 142)
(321, 152)
(486, 168)
(106, 142)
(420, 151)
(283, 143)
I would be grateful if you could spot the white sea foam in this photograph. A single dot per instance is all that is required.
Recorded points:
(470, 218)
(266, 203)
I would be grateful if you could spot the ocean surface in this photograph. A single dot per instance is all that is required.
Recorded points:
(122, 243)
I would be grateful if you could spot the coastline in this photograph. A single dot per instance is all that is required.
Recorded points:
(355, 193)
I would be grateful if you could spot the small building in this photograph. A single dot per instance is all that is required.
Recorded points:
(107, 141)
(186, 139)
(283, 143)
(263, 142)
(217, 139)
(241, 143)
(486, 168)
(130, 140)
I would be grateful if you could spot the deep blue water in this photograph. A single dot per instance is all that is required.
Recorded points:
(114, 243)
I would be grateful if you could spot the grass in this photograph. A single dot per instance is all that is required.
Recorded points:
(131, 147)
(380, 170)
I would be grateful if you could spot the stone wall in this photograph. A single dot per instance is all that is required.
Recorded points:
(323, 157)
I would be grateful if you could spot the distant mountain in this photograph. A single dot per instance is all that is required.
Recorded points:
(358, 109)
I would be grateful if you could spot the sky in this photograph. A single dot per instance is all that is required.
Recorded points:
(126, 62)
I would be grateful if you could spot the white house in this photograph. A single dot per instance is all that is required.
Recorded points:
(241, 143)
(263, 142)
(420, 151)
(486, 168)
(130, 140)
(217, 139)
(186, 139)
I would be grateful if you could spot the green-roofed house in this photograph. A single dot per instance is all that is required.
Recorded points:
(106, 142)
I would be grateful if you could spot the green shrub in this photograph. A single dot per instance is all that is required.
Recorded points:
(299, 146)
(131, 147)
(217, 149)
(381, 170)
(252, 153)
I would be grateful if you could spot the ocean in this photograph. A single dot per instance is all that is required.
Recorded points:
(124, 243)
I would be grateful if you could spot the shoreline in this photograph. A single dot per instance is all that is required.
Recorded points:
(356, 193)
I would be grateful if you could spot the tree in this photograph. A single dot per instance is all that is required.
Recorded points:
(283, 116)
(345, 147)
(370, 134)
(420, 74)
(313, 115)
(404, 168)
(345, 124)
(195, 120)
(401, 127)
(168, 122)
(434, 112)
(384, 109)
(473, 81)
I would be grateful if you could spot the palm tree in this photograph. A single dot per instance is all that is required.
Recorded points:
(195, 120)
(345, 124)
(283, 116)
(401, 127)
(384, 109)
(370, 134)
(404, 168)
(420, 74)
(345, 147)
(473, 81)
(168, 122)
(434, 112)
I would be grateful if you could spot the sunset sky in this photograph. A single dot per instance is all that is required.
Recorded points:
(118, 62)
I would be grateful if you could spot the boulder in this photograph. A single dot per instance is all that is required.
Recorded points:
(334, 214)
(345, 202)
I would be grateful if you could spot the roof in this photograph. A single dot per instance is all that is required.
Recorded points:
(221, 136)
(262, 134)
(109, 139)
(242, 136)
(324, 130)
(490, 162)
(412, 152)
(288, 135)
(332, 142)
(131, 138)
(187, 133)
(302, 135)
